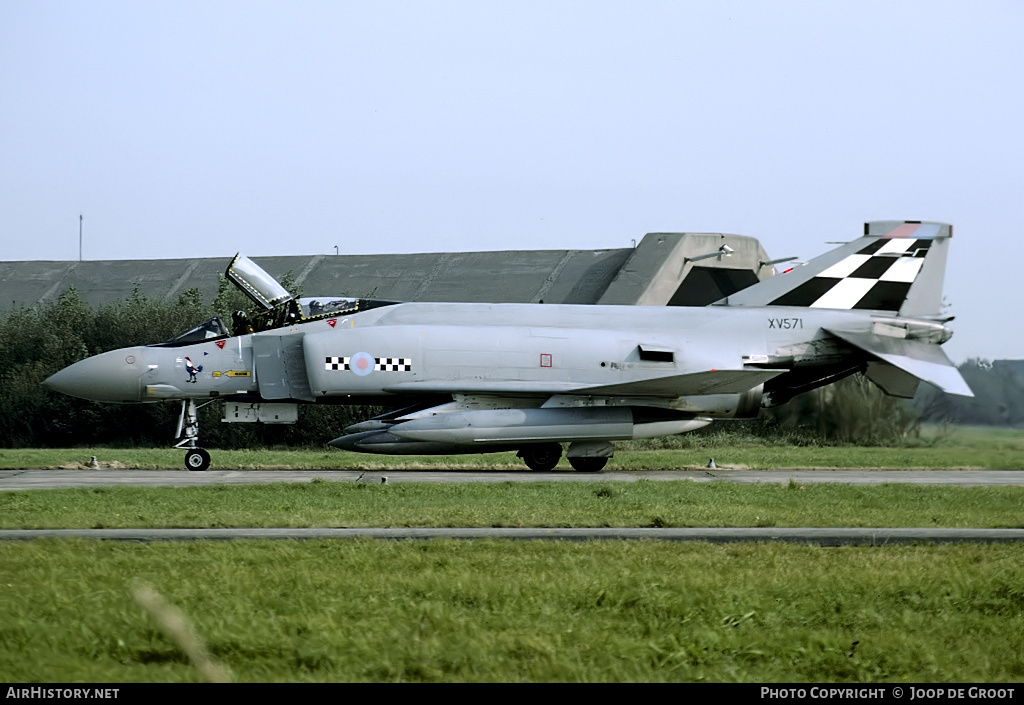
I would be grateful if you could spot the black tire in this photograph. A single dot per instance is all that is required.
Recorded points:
(588, 464)
(541, 457)
(197, 460)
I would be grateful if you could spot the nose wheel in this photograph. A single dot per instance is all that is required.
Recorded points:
(197, 459)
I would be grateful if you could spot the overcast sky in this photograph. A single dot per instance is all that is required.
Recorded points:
(184, 129)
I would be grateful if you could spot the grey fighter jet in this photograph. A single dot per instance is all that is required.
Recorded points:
(477, 377)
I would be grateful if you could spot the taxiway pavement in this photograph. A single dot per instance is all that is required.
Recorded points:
(49, 479)
(13, 480)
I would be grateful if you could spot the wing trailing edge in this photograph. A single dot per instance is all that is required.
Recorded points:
(694, 383)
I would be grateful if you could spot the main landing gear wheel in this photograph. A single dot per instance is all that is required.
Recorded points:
(197, 459)
(541, 457)
(588, 464)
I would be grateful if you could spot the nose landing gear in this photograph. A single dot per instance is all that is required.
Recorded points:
(188, 431)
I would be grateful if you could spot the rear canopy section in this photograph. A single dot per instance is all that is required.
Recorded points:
(259, 286)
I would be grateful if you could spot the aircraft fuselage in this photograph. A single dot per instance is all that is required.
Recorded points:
(437, 348)
(475, 377)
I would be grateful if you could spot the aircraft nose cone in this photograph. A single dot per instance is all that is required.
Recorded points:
(111, 376)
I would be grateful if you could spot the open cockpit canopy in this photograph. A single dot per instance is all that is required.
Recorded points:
(279, 307)
(256, 283)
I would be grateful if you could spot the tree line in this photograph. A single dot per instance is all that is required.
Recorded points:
(998, 387)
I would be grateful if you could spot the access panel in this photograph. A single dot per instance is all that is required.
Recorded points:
(281, 367)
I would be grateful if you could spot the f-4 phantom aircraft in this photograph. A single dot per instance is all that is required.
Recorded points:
(478, 377)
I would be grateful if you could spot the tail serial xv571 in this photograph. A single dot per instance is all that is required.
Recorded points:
(477, 378)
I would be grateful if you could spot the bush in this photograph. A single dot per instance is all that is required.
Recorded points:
(853, 410)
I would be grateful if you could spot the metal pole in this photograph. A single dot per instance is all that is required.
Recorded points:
(80, 218)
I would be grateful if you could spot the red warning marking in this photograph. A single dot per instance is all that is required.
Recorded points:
(545, 360)
(220, 344)
(332, 322)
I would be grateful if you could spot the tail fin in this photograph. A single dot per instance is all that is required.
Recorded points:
(897, 266)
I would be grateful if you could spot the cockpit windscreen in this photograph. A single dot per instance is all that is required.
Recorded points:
(207, 330)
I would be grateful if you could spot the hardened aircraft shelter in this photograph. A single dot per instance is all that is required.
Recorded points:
(678, 269)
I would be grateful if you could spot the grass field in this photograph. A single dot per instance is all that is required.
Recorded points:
(526, 504)
(443, 610)
(517, 611)
(977, 448)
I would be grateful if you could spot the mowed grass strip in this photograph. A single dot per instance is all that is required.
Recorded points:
(515, 504)
(445, 610)
(971, 448)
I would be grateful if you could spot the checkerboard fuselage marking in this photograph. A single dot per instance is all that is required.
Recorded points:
(380, 364)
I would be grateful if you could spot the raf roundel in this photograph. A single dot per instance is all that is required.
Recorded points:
(362, 363)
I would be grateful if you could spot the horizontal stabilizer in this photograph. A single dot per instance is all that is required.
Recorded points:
(892, 380)
(926, 361)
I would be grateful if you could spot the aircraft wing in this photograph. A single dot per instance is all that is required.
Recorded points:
(925, 361)
(482, 386)
(691, 384)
